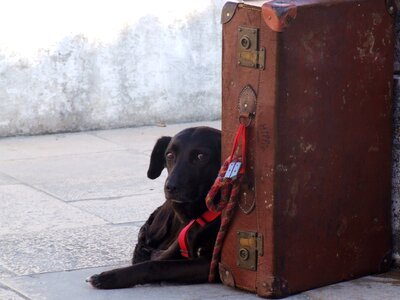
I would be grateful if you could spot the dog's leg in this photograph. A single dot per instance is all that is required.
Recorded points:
(178, 271)
(172, 253)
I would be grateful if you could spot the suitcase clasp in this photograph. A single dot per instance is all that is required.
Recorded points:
(248, 52)
(249, 247)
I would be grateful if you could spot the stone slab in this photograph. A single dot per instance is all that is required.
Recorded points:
(28, 147)
(385, 287)
(71, 285)
(8, 294)
(68, 249)
(4, 273)
(142, 139)
(123, 210)
(4, 179)
(86, 176)
(23, 209)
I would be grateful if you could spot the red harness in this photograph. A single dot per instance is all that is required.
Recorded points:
(203, 220)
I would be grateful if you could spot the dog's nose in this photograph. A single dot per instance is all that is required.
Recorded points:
(171, 188)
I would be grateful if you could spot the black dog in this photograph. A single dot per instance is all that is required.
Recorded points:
(192, 158)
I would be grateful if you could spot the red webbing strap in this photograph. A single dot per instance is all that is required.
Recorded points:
(241, 133)
(229, 196)
(203, 220)
(182, 239)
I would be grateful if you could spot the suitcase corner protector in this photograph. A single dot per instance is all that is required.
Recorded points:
(278, 14)
(226, 276)
(273, 287)
(228, 11)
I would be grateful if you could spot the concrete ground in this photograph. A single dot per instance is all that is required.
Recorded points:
(71, 205)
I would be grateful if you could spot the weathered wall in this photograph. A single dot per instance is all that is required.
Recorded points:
(156, 68)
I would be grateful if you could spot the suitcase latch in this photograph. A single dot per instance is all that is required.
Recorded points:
(248, 52)
(250, 245)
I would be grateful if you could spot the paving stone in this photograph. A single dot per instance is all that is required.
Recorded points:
(4, 273)
(52, 145)
(122, 210)
(4, 179)
(142, 139)
(56, 286)
(23, 209)
(86, 176)
(8, 294)
(68, 249)
(368, 288)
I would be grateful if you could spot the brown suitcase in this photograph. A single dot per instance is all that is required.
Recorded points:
(314, 79)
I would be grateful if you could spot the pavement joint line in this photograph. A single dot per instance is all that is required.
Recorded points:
(6, 175)
(108, 224)
(132, 223)
(90, 213)
(5, 269)
(95, 134)
(121, 263)
(64, 155)
(19, 182)
(142, 152)
(128, 149)
(8, 288)
(114, 197)
(39, 190)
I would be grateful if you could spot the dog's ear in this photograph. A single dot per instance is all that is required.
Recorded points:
(157, 159)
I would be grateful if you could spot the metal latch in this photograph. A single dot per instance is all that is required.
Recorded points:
(250, 245)
(248, 52)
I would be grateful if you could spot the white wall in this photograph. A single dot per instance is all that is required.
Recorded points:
(79, 65)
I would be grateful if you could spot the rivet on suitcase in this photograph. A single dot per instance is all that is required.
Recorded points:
(314, 207)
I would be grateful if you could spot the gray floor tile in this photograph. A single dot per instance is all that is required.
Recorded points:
(5, 179)
(71, 285)
(368, 288)
(23, 209)
(122, 210)
(142, 139)
(8, 294)
(4, 273)
(68, 249)
(86, 176)
(52, 145)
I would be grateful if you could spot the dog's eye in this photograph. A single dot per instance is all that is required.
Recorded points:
(170, 156)
(201, 156)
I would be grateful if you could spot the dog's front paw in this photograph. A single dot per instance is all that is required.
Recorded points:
(105, 280)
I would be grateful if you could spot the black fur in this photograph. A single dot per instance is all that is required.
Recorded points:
(192, 158)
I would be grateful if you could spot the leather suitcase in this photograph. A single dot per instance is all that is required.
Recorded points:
(312, 79)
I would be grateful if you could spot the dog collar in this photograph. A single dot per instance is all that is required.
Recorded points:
(203, 220)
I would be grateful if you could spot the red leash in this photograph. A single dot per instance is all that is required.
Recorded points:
(228, 181)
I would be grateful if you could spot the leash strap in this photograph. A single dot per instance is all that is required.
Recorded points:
(203, 220)
(228, 182)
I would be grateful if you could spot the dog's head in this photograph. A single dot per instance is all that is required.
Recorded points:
(192, 158)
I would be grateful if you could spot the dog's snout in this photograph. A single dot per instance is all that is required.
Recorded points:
(171, 187)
